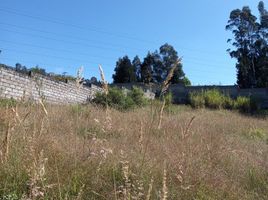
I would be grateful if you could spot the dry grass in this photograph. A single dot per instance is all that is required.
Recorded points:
(70, 155)
(164, 88)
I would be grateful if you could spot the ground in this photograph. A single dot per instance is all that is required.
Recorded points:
(88, 152)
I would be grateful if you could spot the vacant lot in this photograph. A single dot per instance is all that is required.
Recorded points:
(86, 152)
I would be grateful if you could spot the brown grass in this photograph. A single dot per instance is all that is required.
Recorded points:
(164, 88)
(71, 156)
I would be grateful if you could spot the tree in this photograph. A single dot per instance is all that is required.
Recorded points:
(168, 58)
(161, 62)
(262, 47)
(136, 63)
(250, 42)
(125, 72)
(154, 68)
(263, 14)
(243, 25)
(146, 68)
(186, 81)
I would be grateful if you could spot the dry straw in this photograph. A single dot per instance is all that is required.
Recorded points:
(164, 188)
(103, 81)
(141, 137)
(37, 174)
(127, 184)
(108, 121)
(170, 75)
(7, 137)
(164, 89)
(79, 77)
(43, 106)
(80, 194)
(6, 143)
(185, 131)
(148, 196)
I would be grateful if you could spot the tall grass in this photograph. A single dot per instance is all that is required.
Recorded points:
(71, 155)
(214, 99)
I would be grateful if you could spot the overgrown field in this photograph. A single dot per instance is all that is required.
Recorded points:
(87, 152)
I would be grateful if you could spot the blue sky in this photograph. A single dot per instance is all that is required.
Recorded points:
(62, 35)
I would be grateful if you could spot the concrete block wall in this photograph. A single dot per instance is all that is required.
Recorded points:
(22, 86)
(181, 92)
(18, 86)
(149, 90)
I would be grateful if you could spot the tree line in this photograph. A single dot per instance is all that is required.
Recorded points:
(153, 69)
(250, 46)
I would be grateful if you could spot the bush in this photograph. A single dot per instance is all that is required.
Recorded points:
(214, 99)
(197, 100)
(168, 98)
(210, 98)
(137, 95)
(229, 103)
(100, 99)
(243, 104)
(117, 99)
(247, 104)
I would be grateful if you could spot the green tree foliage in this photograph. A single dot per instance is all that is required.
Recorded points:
(136, 63)
(186, 81)
(147, 69)
(125, 72)
(161, 62)
(263, 14)
(168, 58)
(154, 68)
(250, 46)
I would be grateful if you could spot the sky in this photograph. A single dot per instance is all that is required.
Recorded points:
(62, 35)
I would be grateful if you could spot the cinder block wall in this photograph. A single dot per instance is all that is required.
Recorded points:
(180, 92)
(18, 86)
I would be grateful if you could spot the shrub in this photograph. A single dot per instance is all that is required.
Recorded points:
(209, 98)
(229, 103)
(214, 99)
(169, 99)
(129, 103)
(100, 99)
(137, 95)
(197, 100)
(117, 99)
(247, 104)
(243, 104)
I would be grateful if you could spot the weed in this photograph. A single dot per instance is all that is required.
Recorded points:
(77, 157)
